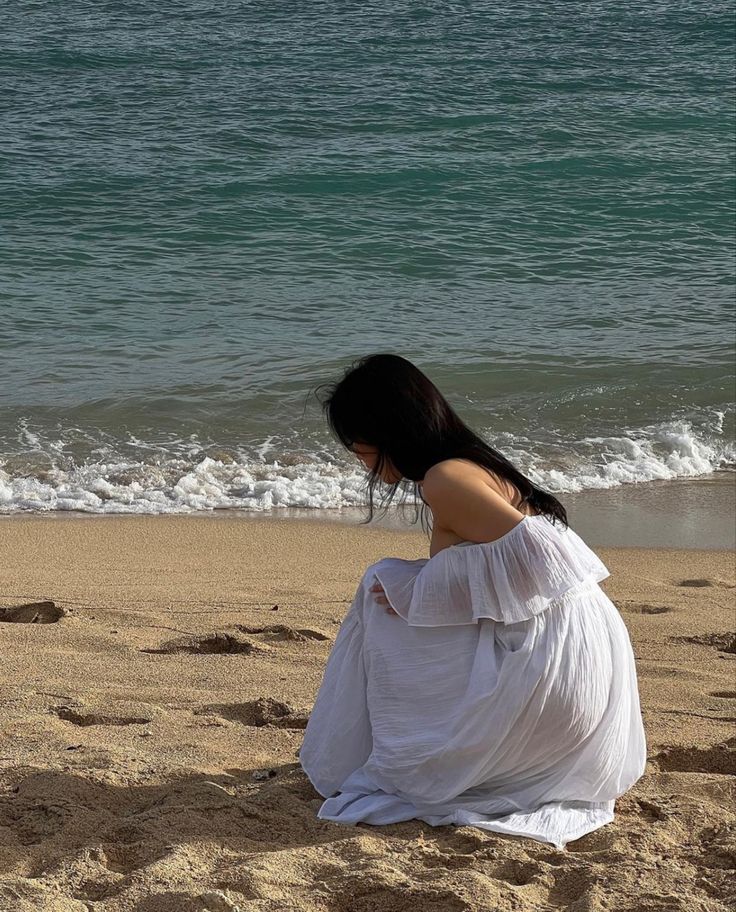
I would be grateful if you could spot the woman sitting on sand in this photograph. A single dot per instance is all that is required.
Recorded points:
(498, 687)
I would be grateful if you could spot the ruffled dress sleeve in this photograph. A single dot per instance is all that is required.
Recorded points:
(509, 580)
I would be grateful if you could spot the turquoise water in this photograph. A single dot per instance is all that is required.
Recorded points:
(208, 209)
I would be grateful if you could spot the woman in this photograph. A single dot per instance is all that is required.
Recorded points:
(498, 687)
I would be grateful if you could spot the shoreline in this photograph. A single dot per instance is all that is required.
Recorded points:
(685, 514)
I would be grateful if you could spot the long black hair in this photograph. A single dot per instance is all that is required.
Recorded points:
(385, 401)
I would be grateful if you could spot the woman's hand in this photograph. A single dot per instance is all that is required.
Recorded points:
(381, 597)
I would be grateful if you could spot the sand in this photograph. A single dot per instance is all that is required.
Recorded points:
(149, 732)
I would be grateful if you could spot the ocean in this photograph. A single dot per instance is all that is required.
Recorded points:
(208, 209)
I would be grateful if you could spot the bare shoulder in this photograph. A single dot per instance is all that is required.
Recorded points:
(451, 472)
(465, 505)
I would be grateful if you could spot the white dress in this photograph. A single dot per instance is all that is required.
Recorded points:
(503, 696)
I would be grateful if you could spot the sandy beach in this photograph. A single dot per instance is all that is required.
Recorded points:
(149, 732)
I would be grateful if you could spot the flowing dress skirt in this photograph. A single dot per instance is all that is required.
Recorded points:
(530, 728)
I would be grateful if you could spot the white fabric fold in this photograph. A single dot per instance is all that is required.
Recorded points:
(557, 823)
(508, 580)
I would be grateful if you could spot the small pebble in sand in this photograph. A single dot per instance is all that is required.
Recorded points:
(261, 774)
(216, 901)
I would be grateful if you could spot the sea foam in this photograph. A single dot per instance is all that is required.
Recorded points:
(187, 480)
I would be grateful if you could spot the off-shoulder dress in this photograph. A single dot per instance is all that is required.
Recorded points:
(503, 695)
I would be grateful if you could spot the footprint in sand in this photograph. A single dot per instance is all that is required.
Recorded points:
(33, 613)
(125, 858)
(703, 582)
(260, 712)
(654, 810)
(720, 759)
(723, 642)
(644, 608)
(515, 872)
(84, 718)
(366, 890)
(284, 632)
(208, 644)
